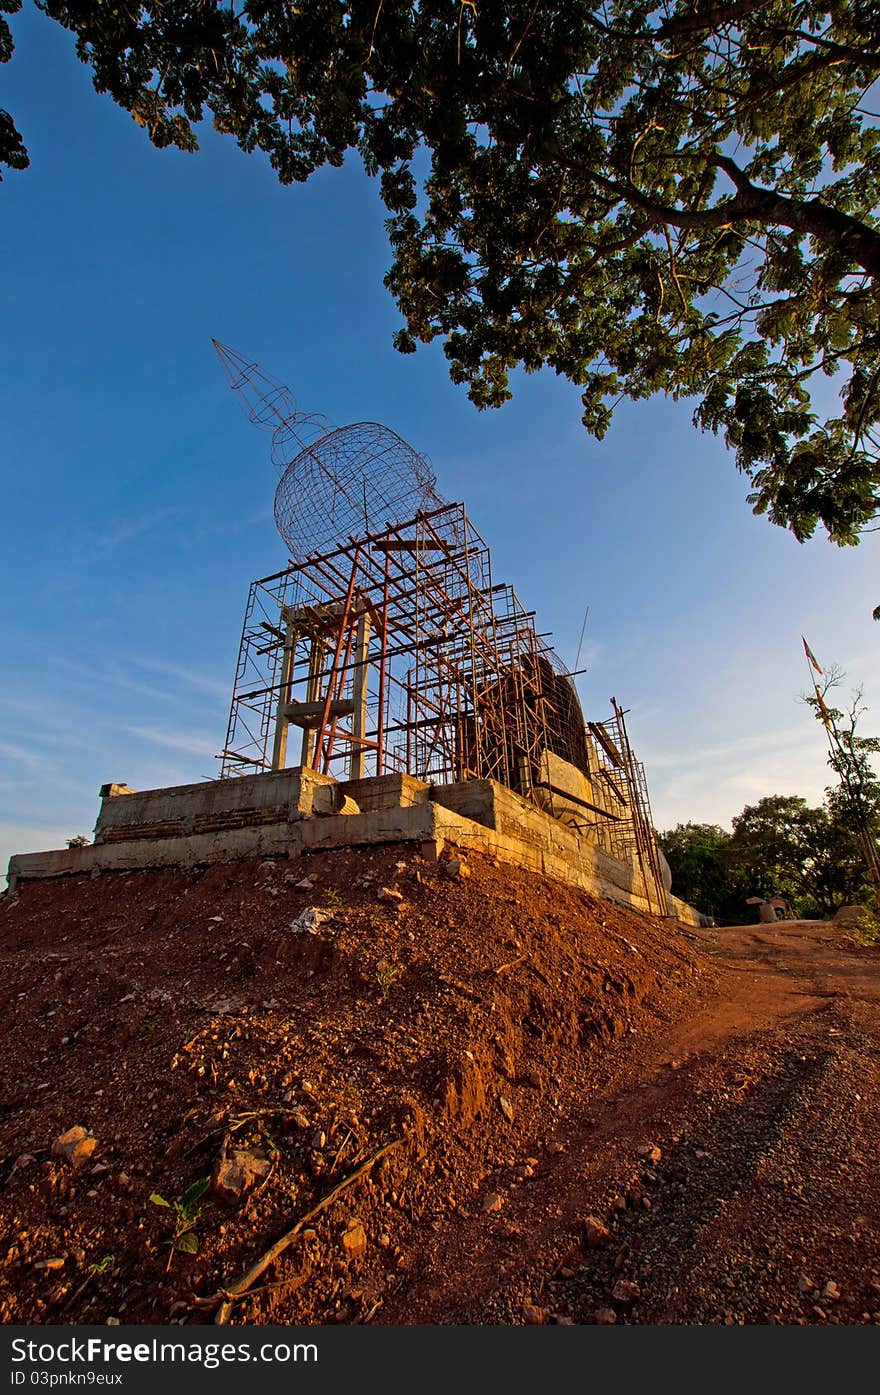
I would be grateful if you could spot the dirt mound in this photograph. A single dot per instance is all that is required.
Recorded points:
(381, 1055)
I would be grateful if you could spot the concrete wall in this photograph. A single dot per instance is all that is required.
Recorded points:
(565, 779)
(214, 806)
(386, 792)
(288, 814)
(546, 844)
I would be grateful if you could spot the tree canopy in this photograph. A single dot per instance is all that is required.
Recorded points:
(675, 197)
(702, 873)
(783, 846)
(780, 846)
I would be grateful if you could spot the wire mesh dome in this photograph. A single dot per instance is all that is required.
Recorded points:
(563, 716)
(356, 480)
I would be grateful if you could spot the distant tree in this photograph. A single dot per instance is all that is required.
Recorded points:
(781, 846)
(78, 841)
(654, 196)
(701, 874)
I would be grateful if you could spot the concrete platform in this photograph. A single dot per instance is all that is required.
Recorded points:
(291, 813)
(215, 806)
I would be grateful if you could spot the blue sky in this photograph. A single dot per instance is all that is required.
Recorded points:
(137, 500)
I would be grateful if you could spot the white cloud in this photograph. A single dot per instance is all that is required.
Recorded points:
(22, 755)
(193, 742)
(713, 784)
(128, 529)
(193, 679)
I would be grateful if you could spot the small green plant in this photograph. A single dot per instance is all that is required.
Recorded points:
(866, 928)
(101, 1265)
(386, 976)
(184, 1217)
(333, 898)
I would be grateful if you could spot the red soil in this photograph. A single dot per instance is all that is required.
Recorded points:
(523, 1046)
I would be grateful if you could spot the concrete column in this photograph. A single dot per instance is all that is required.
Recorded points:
(523, 776)
(313, 693)
(360, 680)
(279, 749)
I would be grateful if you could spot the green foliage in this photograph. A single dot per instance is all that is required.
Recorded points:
(701, 872)
(866, 928)
(855, 801)
(676, 197)
(12, 149)
(78, 841)
(783, 847)
(386, 977)
(184, 1216)
(780, 846)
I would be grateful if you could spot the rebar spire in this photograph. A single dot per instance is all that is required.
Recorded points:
(271, 406)
(335, 482)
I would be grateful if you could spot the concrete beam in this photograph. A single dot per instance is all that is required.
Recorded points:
(386, 792)
(309, 714)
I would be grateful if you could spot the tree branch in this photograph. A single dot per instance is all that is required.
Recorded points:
(708, 18)
(751, 203)
(838, 53)
(607, 249)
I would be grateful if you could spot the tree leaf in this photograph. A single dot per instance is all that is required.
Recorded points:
(194, 1193)
(673, 198)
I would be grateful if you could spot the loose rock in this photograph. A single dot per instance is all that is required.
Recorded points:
(605, 1317)
(236, 1173)
(454, 869)
(75, 1146)
(354, 1241)
(534, 1316)
(650, 1152)
(635, 1191)
(596, 1233)
(625, 1292)
(309, 921)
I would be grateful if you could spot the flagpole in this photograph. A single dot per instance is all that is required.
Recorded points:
(812, 662)
(864, 836)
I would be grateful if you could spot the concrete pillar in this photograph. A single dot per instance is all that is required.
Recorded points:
(523, 776)
(360, 680)
(279, 749)
(313, 693)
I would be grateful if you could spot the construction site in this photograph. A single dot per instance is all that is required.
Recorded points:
(389, 688)
(399, 1020)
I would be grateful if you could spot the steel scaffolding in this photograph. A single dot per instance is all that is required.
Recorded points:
(387, 646)
(397, 651)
